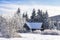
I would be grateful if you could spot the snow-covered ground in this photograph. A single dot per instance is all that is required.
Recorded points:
(36, 36)
(31, 36)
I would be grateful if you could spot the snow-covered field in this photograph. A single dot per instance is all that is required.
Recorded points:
(31, 36)
(35, 36)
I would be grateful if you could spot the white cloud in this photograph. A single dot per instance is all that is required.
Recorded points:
(52, 10)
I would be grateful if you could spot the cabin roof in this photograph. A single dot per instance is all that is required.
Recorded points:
(34, 25)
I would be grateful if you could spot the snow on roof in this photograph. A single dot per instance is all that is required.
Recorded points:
(34, 25)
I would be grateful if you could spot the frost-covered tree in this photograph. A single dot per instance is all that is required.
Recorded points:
(4, 29)
(10, 27)
(16, 24)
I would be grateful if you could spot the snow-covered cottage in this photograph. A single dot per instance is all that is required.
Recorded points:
(31, 26)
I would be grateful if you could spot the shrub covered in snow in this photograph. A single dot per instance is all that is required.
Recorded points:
(51, 32)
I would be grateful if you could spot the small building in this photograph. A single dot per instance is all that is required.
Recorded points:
(55, 22)
(31, 26)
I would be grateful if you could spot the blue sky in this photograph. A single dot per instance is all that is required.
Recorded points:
(29, 2)
(9, 7)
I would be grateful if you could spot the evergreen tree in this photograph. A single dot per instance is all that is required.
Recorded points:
(23, 15)
(46, 15)
(39, 12)
(26, 16)
(18, 11)
(33, 14)
(45, 20)
(40, 16)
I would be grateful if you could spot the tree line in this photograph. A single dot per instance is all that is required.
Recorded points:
(40, 16)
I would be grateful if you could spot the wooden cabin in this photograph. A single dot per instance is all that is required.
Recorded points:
(30, 26)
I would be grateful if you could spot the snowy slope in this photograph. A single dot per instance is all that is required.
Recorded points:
(30, 36)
